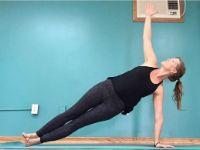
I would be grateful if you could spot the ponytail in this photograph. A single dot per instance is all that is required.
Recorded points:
(178, 92)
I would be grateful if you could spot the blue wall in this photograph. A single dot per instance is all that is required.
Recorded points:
(51, 53)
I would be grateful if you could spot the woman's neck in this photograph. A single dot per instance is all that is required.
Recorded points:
(161, 73)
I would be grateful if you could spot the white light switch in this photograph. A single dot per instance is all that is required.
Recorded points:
(35, 108)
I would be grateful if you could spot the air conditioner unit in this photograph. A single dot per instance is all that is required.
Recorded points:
(168, 10)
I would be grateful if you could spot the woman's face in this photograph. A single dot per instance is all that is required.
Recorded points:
(171, 64)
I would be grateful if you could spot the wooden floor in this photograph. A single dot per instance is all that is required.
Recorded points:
(110, 140)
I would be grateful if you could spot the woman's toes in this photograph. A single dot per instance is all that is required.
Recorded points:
(27, 139)
(25, 135)
(30, 142)
(27, 143)
(29, 135)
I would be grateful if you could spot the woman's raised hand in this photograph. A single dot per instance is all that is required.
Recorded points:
(149, 9)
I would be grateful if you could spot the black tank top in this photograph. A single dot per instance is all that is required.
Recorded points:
(132, 85)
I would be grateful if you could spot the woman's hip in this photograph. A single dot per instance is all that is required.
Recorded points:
(109, 94)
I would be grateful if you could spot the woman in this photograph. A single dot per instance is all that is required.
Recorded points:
(119, 94)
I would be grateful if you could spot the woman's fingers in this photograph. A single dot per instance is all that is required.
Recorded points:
(155, 12)
(150, 9)
(164, 146)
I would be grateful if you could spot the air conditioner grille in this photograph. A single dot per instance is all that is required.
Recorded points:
(173, 4)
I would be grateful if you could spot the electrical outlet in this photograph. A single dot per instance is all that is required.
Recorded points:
(34, 109)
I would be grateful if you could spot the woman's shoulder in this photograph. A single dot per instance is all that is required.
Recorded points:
(149, 65)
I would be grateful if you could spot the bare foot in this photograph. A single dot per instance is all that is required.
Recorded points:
(29, 136)
(30, 142)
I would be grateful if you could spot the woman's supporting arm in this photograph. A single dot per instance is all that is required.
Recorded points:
(158, 111)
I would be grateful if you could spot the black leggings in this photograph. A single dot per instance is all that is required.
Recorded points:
(99, 103)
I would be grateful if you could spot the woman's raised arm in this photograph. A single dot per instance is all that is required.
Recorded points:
(149, 54)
